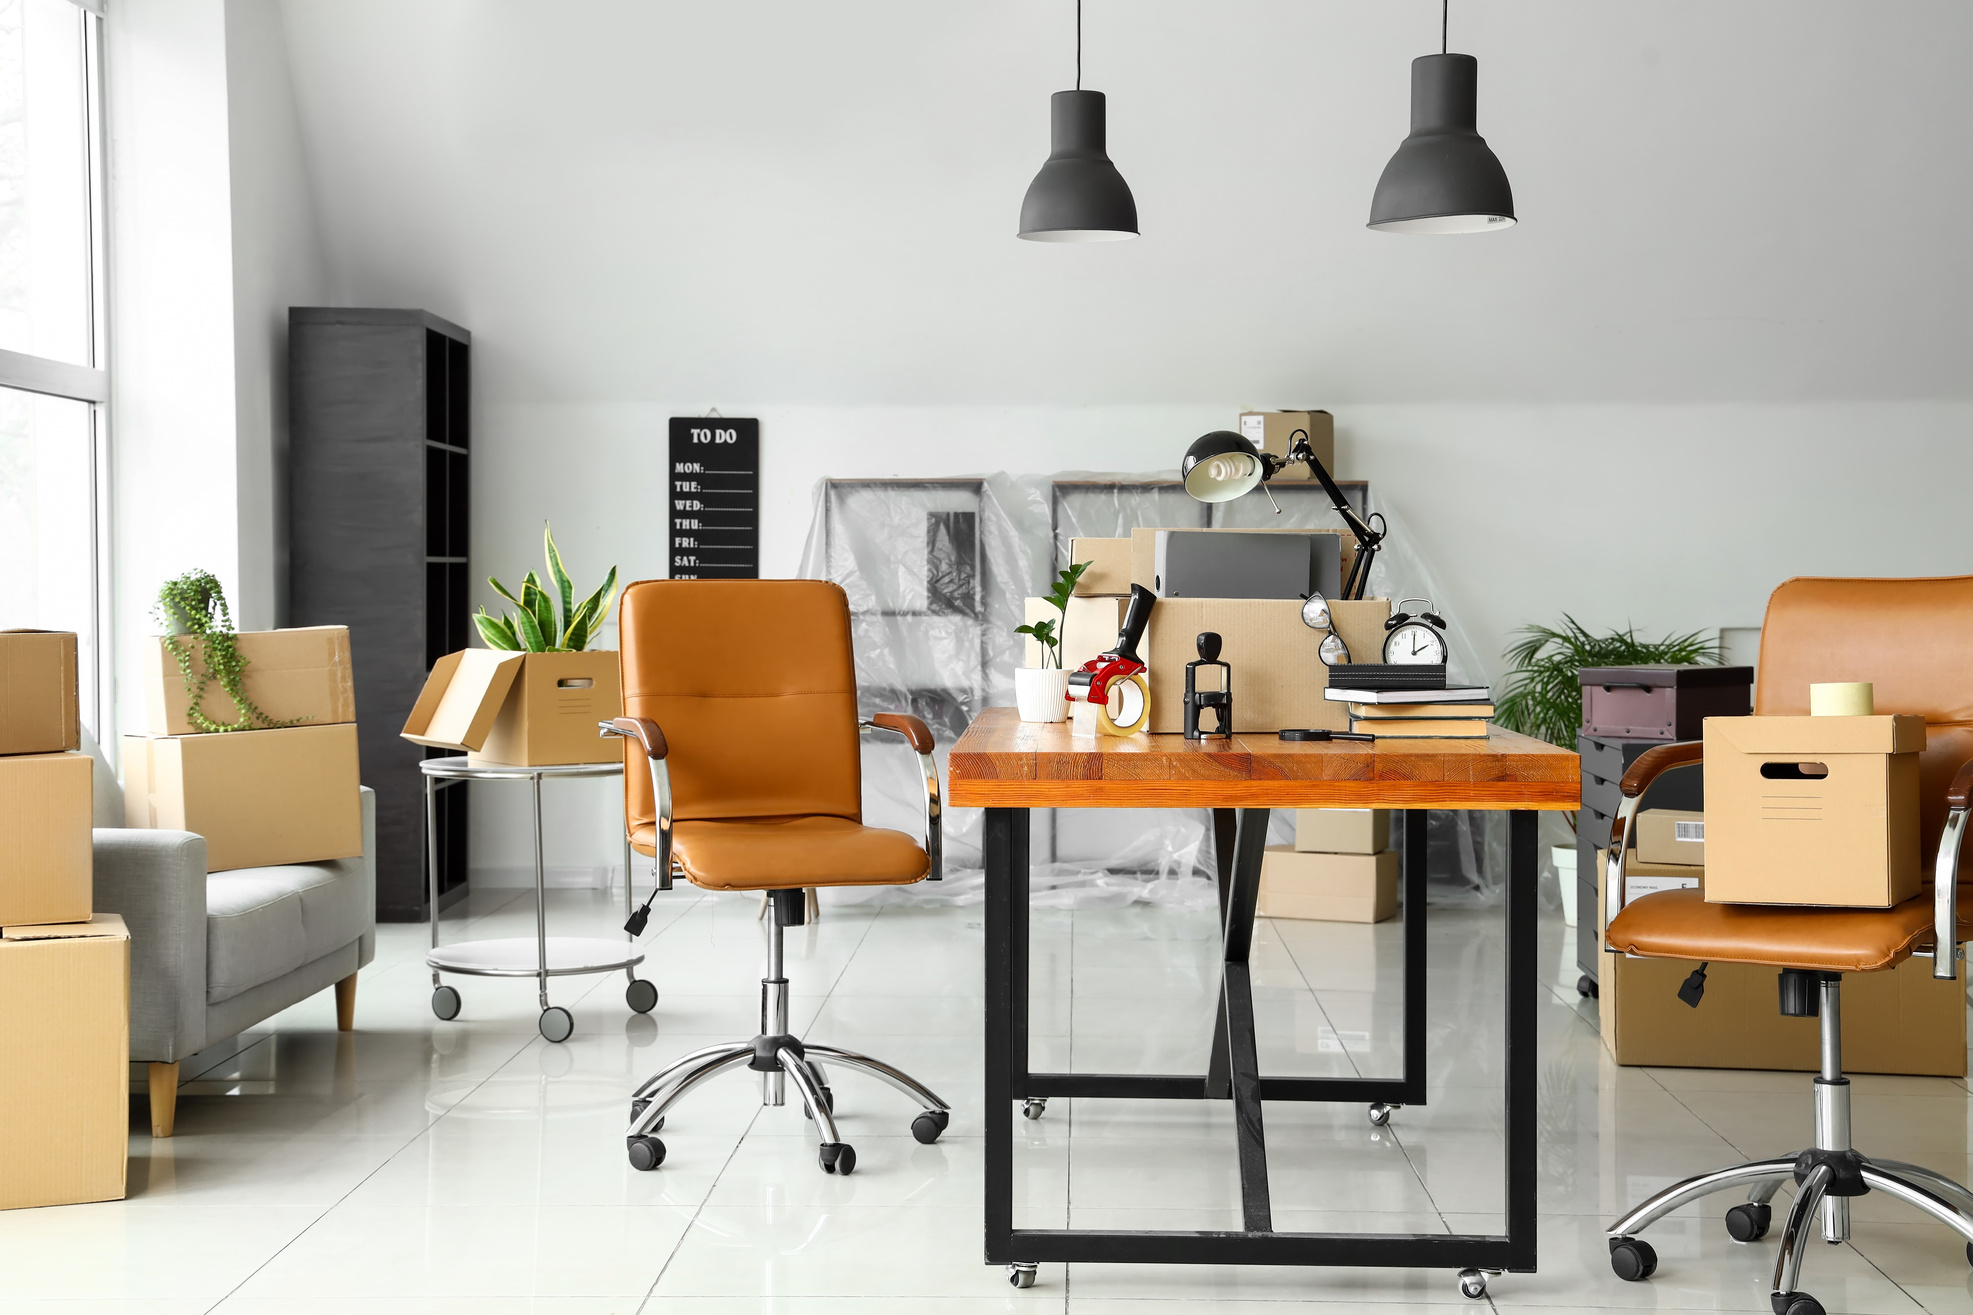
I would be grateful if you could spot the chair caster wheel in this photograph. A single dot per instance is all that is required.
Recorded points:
(637, 1108)
(837, 1157)
(557, 1023)
(641, 996)
(1380, 1114)
(1586, 987)
(646, 1153)
(445, 1003)
(1472, 1284)
(927, 1126)
(1033, 1108)
(1020, 1274)
(1748, 1222)
(1631, 1260)
(1794, 1303)
(828, 1103)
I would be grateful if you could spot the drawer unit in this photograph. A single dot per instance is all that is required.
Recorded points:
(1662, 700)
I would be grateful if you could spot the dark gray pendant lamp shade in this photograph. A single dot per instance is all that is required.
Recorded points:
(1443, 178)
(1078, 196)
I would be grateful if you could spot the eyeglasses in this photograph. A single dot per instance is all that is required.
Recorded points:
(1315, 615)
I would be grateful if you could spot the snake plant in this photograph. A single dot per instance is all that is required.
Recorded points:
(538, 626)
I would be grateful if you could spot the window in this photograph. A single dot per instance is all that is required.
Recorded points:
(53, 387)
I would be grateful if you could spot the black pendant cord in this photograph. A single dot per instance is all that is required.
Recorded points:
(1078, 45)
(1445, 26)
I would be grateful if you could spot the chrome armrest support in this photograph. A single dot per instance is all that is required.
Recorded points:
(648, 737)
(1945, 897)
(1617, 843)
(934, 806)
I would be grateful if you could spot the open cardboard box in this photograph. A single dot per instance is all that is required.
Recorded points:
(524, 709)
(1278, 677)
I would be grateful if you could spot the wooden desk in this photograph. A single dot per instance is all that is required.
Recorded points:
(1007, 767)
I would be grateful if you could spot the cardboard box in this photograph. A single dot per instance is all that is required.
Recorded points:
(462, 698)
(301, 675)
(46, 861)
(1671, 835)
(1278, 678)
(1813, 810)
(1109, 565)
(1272, 431)
(260, 798)
(1641, 879)
(1087, 627)
(65, 1063)
(1144, 553)
(1342, 830)
(551, 711)
(38, 701)
(1328, 887)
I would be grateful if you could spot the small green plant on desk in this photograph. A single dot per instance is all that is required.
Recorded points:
(538, 627)
(194, 605)
(1049, 633)
(1039, 691)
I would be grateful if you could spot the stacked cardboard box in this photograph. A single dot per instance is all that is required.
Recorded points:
(1341, 868)
(261, 798)
(521, 709)
(65, 1036)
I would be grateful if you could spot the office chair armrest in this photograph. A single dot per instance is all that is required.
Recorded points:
(919, 735)
(1649, 765)
(1945, 877)
(652, 741)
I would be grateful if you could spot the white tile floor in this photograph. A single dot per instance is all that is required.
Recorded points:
(419, 1166)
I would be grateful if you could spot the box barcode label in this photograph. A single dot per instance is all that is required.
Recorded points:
(1689, 831)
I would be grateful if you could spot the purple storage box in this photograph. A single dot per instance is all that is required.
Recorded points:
(1662, 700)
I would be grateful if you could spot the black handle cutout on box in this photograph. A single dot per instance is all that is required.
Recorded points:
(575, 682)
(1625, 684)
(1794, 771)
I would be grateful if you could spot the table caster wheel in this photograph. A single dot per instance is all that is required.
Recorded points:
(837, 1157)
(1586, 987)
(1748, 1221)
(927, 1126)
(641, 996)
(1021, 1274)
(1795, 1303)
(646, 1153)
(1472, 1284)
(1380, 1114)
(445, 1002)
(1632, 1260)
(557, 1023)
(1034, 1107)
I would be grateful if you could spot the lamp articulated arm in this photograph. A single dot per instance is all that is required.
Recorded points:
(914, 730)
(1368, 538)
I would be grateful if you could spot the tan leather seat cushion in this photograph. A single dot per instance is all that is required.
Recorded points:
(783, 853)
(1679, 924)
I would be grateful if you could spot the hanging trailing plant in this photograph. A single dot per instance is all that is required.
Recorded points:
(538, 627)
(194, 604)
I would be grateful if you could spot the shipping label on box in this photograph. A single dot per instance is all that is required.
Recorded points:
(1274, 432)
(1109, 565)
(46, 858)
(39, 712)
(552, 710)
(302, 675)
(1813, 810)
(260, 798)
(1278, 676)
(1671, 835)
(1342, 830)
(1328, 887)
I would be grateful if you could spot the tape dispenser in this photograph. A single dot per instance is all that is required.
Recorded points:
(1110, 694)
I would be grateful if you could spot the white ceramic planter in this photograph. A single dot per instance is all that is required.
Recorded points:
(1565, 880)
(1041, 692)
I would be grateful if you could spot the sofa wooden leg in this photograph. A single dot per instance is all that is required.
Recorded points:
(346, 1004)
(164, 1098)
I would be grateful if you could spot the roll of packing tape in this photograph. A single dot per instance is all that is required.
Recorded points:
(1129, 706)
(1843, 698)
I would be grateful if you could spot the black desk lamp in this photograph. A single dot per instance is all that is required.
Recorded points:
(1222, 465)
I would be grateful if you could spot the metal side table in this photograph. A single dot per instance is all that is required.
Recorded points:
(540, 956)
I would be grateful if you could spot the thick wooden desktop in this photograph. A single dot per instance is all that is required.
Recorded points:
(1008, 766)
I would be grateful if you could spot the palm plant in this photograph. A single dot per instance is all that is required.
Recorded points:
(538, 627)
(1543, 697)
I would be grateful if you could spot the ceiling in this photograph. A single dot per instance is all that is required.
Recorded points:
(783, 201)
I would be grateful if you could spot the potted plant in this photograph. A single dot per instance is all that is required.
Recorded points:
(1042, 692)
(1542, 696)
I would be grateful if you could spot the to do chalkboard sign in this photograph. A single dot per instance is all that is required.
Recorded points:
(715, 498)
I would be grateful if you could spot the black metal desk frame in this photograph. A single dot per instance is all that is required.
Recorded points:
(1236, 1071)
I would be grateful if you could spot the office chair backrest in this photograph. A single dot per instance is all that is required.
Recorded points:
(1912, 639)
(754, 687)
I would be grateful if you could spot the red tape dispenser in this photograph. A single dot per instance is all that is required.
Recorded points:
(1111, 689)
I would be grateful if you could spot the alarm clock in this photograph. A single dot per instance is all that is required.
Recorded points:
(1315, 615)
(1414, 638)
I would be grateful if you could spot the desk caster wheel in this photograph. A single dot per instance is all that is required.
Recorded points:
(838, 1157)
(1472, 1284)
(557, 1023)
(1631, 1260)
(445, 1003)
(1748, 1222)
(641, 996)
(1380, 1114)
(928, 1126)
(1795, 1303)
(646, 1153)
(1021, 1274)
(1034, 1107)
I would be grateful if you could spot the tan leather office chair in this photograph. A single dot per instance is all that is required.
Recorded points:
(1914, 640)
(740, 698)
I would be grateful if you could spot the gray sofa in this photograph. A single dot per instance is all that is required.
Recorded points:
(212, 954)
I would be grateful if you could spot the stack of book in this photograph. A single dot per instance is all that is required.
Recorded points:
(1416, 703)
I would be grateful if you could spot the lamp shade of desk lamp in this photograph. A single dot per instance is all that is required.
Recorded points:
(1444, 178)
(1078, 196)
(1220, 466)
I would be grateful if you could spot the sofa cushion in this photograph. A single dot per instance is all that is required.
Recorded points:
(264, 922)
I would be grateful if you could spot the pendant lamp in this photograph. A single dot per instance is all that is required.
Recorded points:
(1078, 196)
(1443, 179)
